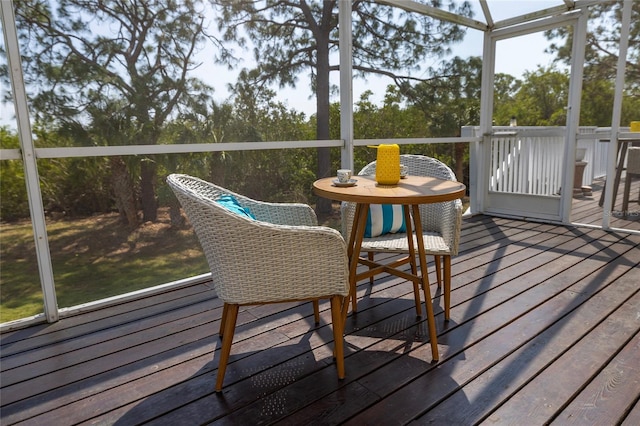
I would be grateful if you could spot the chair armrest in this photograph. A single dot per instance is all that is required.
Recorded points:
(451, 224)
(282, 213)
(262, 262)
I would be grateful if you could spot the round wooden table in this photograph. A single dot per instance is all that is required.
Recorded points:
(410, 192)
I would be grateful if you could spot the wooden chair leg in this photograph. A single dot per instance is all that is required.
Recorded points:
(447, 287)
(338, 334)
(229, 329)
(225, 310)
(316, 311)
(371, 257)
(625, 198)
(438, 263)
(413, 262)
(431, 323)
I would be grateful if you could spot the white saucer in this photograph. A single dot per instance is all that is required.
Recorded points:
(351, 182)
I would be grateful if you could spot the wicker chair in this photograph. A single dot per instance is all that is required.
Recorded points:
(281, 256)
(633, 171)
(440, 223)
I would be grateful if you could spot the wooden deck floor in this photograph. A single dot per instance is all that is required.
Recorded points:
(545, 328)
(586, 210)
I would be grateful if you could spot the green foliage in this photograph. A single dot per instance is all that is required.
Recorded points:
(13, 192)
(390, 120)
(71, 187)
(105, 68)
(504, 103)
(601, 60)
(451, 99)
(290, 38)
(603, 42)
(542, 98)
(294, 37)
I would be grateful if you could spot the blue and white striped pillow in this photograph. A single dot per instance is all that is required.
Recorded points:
(384, 219)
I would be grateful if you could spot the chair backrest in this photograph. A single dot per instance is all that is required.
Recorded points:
(222, 234)
(633, 160)
(283, 255)
(421, 165)
(418, 165)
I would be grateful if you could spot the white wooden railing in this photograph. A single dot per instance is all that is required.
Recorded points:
(529, 160)
(526, 162)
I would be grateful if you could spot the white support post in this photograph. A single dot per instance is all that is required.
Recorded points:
(346, 82)
(617, 113)
(483, 149)
(29, 161)
(573, 113)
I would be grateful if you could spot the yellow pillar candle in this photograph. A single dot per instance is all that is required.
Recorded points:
(388, 164)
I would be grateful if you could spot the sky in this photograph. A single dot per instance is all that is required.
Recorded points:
(514, 57)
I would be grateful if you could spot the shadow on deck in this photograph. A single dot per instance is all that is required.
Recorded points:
(544, 327)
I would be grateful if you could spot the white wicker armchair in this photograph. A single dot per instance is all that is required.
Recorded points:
(440, 222)
(281, 256)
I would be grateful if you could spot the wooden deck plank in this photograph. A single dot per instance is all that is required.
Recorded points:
(527, 292)
(544, 396)
(615, 389)
(587, 211)
(495, 387)
(395, 295)
(204, 333)
(46, 358)
(516, 287)
(633, 417)
(80, 325)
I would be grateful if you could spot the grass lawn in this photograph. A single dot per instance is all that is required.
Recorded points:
(97, 257)
(93, 258)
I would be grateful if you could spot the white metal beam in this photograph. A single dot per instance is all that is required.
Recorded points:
(573, 112)
(412, 6)
(345, 34)
(544, 13)
(105, 151)
(487, 13)
(617, 111)
(481, 151)
(29, 160)
(535, 26)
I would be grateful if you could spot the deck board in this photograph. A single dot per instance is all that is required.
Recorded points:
(543, 325)
(587, 211)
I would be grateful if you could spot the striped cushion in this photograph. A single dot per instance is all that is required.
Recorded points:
(384, 219)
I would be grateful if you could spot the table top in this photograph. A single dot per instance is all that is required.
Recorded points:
(412, 190)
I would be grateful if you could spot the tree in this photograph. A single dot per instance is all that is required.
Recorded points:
(291, 37)
(127, 60)
(505, 89)
(13, 192)
(449, 100)
(601, 61)
(542, 98)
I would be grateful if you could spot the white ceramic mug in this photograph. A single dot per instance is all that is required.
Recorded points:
(344, 175)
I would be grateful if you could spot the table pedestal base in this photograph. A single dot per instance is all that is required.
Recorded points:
(418, 276)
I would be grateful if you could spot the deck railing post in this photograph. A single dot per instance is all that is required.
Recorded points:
(617, 110)
(346, 83)
(29, 161)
